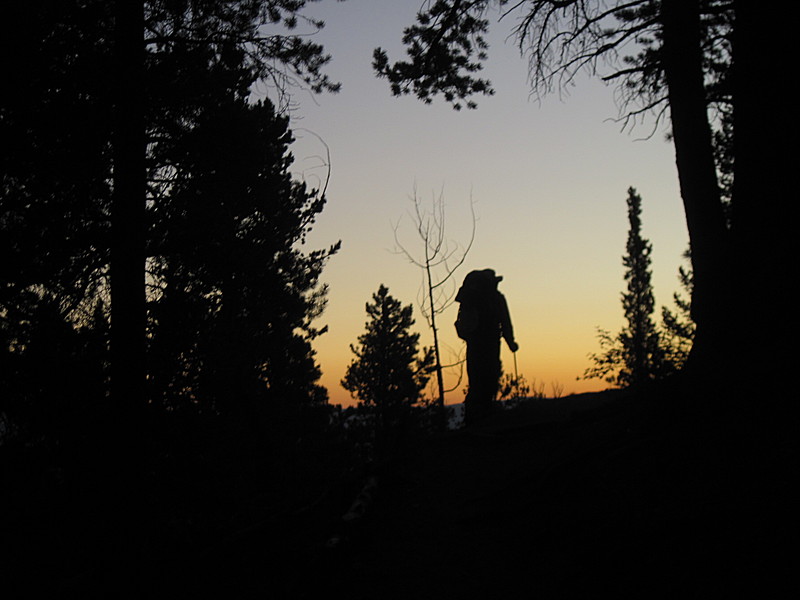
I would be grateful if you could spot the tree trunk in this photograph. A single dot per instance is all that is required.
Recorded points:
(127, 218)
(122, 450)
(437, 357)
(762, 231)
(694, 158)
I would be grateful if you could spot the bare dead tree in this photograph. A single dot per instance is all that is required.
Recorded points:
(438, 259)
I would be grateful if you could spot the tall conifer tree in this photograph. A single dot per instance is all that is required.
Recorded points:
(635, 354)
(642, 353)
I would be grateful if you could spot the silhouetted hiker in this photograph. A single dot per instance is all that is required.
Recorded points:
(482, 319)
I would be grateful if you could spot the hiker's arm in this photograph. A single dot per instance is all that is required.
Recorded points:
(505, 324)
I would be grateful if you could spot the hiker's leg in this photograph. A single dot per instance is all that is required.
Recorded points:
(482, 369)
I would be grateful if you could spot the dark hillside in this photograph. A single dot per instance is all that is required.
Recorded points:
(623, 494)
(595, 494)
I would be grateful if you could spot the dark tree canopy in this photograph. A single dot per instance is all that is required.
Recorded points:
(445, 48)
(230, 294)
(55, 126)
(232, 297)
(618, 41)
(267, 38)
(55, 159)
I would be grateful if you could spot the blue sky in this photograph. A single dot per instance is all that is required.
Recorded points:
(548, 181)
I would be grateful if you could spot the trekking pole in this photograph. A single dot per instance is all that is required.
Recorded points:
(516, 372)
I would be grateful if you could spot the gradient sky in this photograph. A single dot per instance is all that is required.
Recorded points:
(548, 181)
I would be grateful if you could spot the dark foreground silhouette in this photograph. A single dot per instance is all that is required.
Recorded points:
(579, 497)
(617, 493)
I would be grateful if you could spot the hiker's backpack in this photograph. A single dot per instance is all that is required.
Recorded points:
(470, 297)
(467, 321)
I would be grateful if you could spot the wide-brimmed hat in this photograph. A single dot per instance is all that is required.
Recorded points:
(490, 272)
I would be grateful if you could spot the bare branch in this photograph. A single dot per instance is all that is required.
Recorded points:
(439, 255)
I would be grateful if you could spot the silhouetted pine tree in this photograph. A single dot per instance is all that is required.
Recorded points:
(388, 374)
(635, 354)
(642, 352)
(233, 295)
(227, 218)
